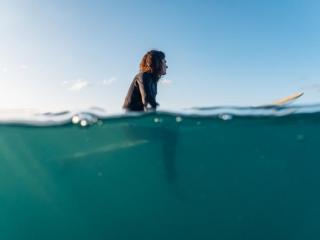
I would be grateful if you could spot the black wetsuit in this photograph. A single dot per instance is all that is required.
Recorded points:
(142, 91)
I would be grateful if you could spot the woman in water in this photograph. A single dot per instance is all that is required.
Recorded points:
(143, 89)
(142, 97)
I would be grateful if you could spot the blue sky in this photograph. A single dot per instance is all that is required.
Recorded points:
(57, 54)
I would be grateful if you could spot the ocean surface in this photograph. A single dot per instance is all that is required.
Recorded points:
(206, 173)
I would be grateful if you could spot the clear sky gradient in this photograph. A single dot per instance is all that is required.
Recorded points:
(57, 54)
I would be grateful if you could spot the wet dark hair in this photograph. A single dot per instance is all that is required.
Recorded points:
(151, 62)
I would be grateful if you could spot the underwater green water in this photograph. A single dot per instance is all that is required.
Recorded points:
(162, 177)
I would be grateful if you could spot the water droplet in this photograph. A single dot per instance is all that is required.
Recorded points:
(225, 117)
(178, 119)
(84, 119)
(83, 123)
(75, 119)
(157, 120)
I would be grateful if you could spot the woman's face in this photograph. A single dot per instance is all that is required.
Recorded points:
(163, 67)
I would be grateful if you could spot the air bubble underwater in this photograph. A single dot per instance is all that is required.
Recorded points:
(158, 120)
(225, 117)
(178, 119)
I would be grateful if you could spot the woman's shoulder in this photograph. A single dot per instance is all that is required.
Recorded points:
(144, 76)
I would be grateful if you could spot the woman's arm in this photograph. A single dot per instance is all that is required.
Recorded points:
(144, 82)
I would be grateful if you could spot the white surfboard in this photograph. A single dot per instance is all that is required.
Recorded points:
(288, 99)
(283, 101)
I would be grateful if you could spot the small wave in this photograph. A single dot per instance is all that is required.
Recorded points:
(92, 115)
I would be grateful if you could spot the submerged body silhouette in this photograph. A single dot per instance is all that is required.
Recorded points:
(165, 138)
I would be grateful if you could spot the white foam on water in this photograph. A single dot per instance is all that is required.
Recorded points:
(94, 115)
